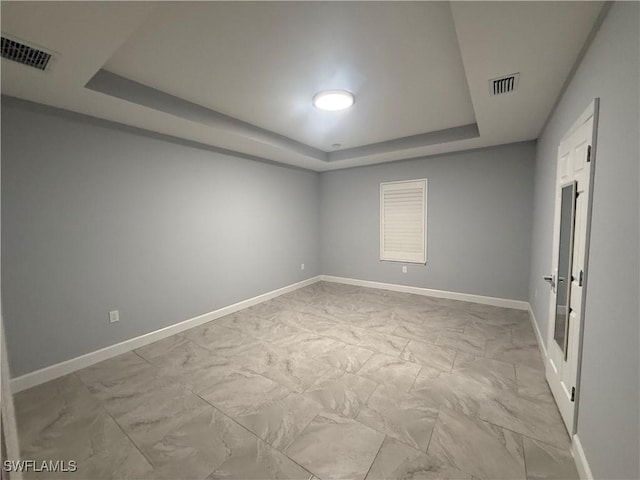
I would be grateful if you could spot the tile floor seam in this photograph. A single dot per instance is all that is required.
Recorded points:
(519, 433)
(191, 342)
(357, 372)
(444, 461)
(484, 348)
(137, 447)
(366, 403)
(296, 437)
(303, 430)
(413, 384)
(75, 374)
(461, 375)
(403, 349)
(573, 460)
(515, 378)
(313, 474)
(102, 405)
(144, 359)
(276, 381)
(524, 457)
(435, 422)
(524, 460)
(374, 458)
(253, 435)
(453, 363)
(403, 442)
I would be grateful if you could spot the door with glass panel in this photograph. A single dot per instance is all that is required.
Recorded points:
(568, 276)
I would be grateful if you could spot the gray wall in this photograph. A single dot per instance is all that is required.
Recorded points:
(98, 218)
(478, 221)
(608, 423)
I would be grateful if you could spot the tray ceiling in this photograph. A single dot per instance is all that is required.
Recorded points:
(241, 75)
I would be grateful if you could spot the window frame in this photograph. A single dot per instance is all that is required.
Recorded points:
(384, 255)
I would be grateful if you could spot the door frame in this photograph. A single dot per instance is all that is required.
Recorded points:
(592, 111)
(594, 108)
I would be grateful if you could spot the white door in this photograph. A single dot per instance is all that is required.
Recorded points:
(569, 259)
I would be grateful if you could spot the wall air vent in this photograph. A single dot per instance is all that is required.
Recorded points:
(506, 84)
(24, 54)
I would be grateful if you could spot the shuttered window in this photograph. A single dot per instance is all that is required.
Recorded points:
(403, 221)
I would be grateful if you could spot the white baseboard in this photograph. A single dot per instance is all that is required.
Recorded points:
(584, 471)
(46, 374)
(536, 329)
(428, 292)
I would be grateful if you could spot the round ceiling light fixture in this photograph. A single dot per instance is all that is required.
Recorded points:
(333, 100)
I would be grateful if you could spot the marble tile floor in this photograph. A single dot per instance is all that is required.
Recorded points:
(327, 382)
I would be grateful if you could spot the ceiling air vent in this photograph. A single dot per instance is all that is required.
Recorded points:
(24, 54)
(506, 84)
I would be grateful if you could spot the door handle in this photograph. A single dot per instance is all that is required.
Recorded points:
(551, 280)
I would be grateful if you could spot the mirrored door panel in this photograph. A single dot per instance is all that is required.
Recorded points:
(565, 254)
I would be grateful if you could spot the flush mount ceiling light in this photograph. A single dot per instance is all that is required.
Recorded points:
(333, 100)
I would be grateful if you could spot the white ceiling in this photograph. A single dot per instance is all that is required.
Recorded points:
(263, 62)
(415, 68)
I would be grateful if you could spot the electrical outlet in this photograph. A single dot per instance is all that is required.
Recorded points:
(404, 269)
(302, 266)
(114, 316)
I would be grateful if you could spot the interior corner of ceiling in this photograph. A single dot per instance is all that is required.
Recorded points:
(465, 64)
(145, 12)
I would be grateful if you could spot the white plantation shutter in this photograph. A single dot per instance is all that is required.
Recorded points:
(403, 224)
